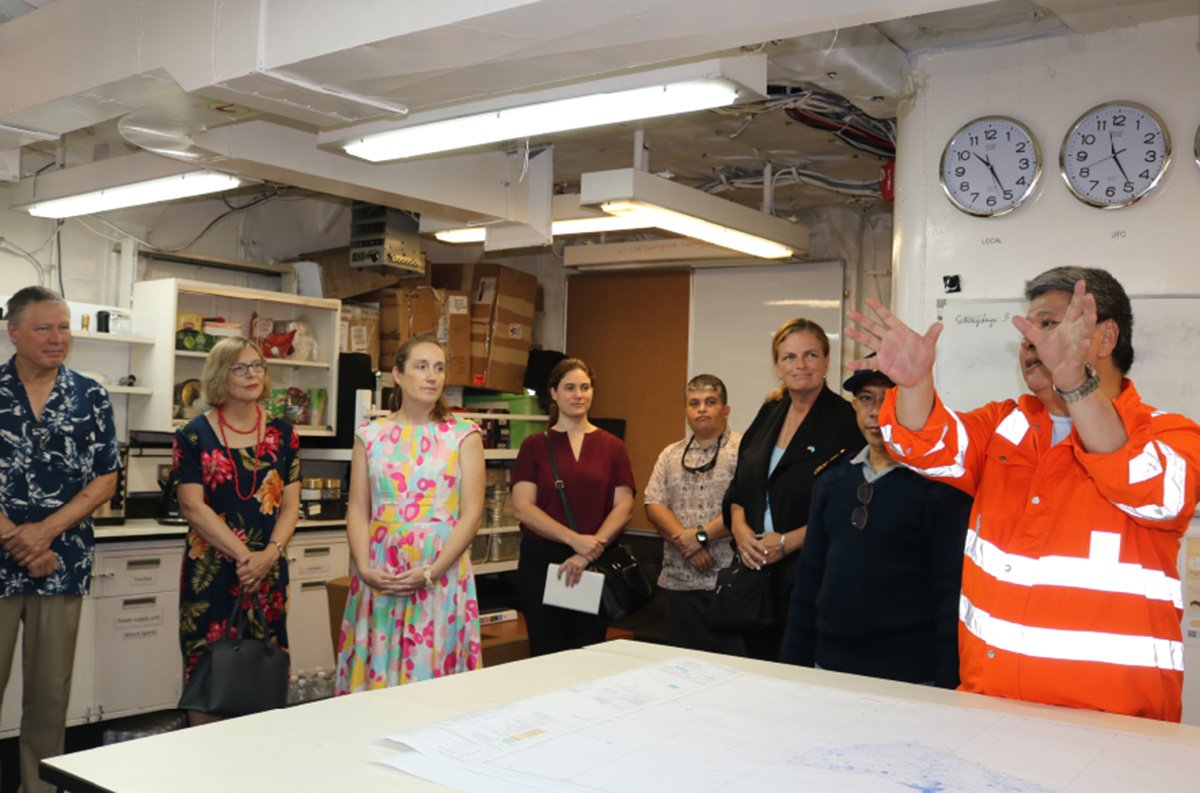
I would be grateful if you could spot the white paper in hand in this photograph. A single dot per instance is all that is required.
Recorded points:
(584, 596)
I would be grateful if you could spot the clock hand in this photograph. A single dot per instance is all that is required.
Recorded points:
(991, 170)
(1117, 159)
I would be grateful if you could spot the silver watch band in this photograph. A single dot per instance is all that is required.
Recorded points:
(1090, 383)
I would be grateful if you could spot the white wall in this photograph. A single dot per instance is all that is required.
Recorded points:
(1150, 247)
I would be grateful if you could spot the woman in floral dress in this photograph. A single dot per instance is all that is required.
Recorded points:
(239, 488)
(416, 498)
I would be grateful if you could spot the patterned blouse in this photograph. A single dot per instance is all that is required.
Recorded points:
(44, 464)
(695, 498)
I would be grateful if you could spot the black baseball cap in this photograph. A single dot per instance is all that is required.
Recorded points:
(855, 382)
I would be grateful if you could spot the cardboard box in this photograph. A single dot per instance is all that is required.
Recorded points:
(446, 314)
(358, 331)
(503, 302)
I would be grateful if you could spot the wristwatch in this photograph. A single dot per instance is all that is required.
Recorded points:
(702, 538)
(1091, 382)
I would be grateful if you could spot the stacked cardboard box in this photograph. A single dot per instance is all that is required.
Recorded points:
(444, 313)
(502, 307)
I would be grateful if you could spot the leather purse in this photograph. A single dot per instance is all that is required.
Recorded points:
(240, 675)
(626, 586)
(742, 600)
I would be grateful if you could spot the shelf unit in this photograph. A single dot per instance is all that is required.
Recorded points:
(161, 367)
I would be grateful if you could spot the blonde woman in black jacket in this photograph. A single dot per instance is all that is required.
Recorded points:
(801, 428)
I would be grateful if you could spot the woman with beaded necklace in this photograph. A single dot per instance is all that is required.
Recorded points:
(239, 488)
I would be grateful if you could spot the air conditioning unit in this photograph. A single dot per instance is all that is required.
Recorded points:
(384, 239)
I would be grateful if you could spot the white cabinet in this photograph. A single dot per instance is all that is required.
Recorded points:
(156, 304)
(135, 599)
(313, 559)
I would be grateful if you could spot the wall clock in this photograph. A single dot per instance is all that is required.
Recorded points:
(990, 166)
(1115, 154)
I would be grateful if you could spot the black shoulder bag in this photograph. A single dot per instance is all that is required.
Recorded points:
(626, 587)
(238, 675)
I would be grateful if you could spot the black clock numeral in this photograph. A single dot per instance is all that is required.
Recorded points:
(989, 134)
(1128, 187)
(991, 200)
(1149, 139)
(1095, 184)
(1008, 195)
(1022, 181)
(1151, 156)
(1101, 125)
(963, 155)
(974, 197)
(1020, 147)
(1023, 163)
(1081, 156)
(1119, 120)
(1085, 172)
(964, 186)
(1088, 139)
(960, 171)
(1110, 191)
(1144, 174)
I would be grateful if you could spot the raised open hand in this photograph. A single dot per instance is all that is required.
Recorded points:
(902, 354)
(1064, 347)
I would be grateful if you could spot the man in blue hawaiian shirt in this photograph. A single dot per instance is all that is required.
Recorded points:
(58, 463)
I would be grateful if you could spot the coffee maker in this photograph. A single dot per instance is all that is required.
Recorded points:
(168, 504)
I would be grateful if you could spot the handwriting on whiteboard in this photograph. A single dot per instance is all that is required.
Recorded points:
(983, 319)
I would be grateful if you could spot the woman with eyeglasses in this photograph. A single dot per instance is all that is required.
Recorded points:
(597, 480)
(799, 431)
(238, 477)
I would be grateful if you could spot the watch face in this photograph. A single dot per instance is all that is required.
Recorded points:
(990, 166)
(1115, 154)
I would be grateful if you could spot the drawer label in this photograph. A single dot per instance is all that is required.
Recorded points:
(134, 625)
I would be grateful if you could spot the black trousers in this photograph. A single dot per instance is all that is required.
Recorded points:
(689, 623)
(551, 628)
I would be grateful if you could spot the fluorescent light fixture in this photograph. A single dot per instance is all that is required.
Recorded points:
(682, 88)
(543, 118)
(658, 202)
(568, 218)
(166, 188)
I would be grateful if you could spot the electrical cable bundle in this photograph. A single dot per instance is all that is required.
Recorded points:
(835, 114)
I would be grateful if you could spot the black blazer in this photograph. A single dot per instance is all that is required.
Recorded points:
(827, 432)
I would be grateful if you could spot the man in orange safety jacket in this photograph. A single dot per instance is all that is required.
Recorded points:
(1071, 594)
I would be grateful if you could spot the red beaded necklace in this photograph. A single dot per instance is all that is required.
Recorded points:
(223, 424)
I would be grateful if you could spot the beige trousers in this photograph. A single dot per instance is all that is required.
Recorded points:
(47, 655)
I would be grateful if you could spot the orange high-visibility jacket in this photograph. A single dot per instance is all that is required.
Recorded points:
(1071, 592)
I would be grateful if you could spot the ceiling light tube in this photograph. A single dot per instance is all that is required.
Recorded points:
(542, 118)
(683, 210)
(597, 224)
(697, 228)
(152, 191)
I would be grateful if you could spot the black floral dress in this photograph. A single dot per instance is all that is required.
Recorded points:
(209, 586)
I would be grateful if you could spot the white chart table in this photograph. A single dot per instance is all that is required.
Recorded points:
(326, 745)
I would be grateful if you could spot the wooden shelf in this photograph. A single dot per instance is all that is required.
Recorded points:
(113, 338)
(500, 454)
(503, 416)
(483, 568)
(270, 361)
(509, 529)
(129, 389)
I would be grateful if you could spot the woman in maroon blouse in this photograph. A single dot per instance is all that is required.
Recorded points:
(598, 481)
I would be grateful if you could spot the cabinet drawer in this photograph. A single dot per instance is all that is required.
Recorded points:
(318, 560)
(133, 573)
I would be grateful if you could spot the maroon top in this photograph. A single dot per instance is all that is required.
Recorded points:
(603, 466)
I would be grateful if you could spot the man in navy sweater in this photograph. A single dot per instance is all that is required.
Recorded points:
(878, 580)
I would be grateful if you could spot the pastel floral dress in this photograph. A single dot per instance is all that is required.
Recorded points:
(388, 640)
(209, 586)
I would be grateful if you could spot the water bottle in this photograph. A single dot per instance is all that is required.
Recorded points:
(293, 693)
(322, 688)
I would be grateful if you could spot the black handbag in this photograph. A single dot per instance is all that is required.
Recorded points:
(742, 600)
(626, 586)
(238, 676)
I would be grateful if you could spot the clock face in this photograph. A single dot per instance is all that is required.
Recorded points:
(990, 166)
(1115, 154)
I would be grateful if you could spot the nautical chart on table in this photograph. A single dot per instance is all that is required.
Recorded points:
(689, 725)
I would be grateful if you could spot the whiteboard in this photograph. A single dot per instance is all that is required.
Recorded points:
(978, 361)
(734, 313)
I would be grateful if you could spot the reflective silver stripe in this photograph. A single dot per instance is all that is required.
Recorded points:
(1014, 427)
(1100, 571)
(1106, 648)
(955, 470)
(1174, 479)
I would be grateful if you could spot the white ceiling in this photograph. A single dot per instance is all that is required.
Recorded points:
(251, 82)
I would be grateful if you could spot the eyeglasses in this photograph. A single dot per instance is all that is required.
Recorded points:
(858, 518)
(701, 469)
(243, 369)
